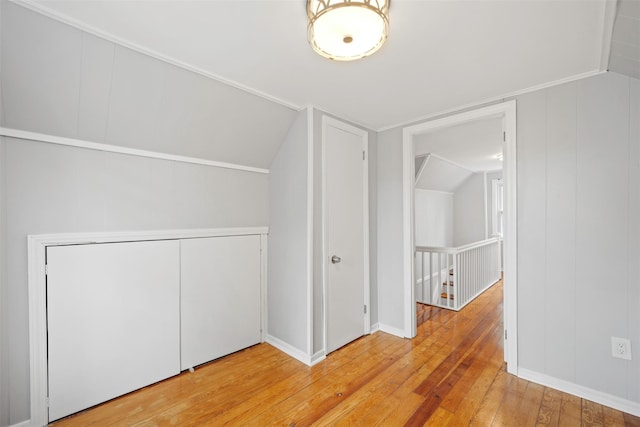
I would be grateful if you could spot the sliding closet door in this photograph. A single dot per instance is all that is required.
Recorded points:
(220, 297)
(113, 320)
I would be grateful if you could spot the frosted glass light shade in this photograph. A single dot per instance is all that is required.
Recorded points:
(345, 30)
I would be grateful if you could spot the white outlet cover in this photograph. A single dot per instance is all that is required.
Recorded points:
(621, 348)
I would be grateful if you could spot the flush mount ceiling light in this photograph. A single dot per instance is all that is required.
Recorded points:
(345, 30)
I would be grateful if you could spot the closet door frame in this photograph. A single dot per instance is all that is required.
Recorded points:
(37, 282)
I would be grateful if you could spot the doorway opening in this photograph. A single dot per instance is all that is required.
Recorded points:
(505, 114)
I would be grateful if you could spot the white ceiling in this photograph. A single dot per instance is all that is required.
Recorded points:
(455, 153)
(441, 175)
(440, 55)
(473, 145)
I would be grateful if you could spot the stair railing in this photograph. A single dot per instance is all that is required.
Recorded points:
(453, 277)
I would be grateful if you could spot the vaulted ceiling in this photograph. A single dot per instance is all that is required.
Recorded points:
(440, 55)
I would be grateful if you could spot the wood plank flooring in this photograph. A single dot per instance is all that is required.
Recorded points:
(451, 374)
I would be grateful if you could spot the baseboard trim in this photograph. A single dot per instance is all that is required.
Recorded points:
(318, 357)
(606, 399)
(391, 330)
(375, 328)
(290, 350)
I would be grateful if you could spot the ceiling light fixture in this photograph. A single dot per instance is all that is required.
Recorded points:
(345, 30)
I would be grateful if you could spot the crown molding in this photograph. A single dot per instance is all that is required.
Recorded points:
(493, 100)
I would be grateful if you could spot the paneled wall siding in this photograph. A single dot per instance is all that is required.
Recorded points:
(57, 189)
(60, 81)
(578, 253)
(288, 239)
(578, 186)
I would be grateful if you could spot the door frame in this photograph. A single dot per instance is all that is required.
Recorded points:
(364, 135)
(506, 111)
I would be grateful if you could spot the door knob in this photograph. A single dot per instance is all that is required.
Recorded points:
(335, 259)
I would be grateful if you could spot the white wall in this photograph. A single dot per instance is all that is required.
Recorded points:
(579, 232)
(579, 213)
(57, 189)
(469, 211)
(288, 239)
(433, 218)
(390, 247)
(60, 81)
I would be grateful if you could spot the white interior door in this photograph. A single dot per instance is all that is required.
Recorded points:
(220, 297)
(345, 233)
(112, 320)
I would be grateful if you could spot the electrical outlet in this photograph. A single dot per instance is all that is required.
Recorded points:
(621, 348)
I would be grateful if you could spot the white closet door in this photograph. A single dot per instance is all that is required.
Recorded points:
(220, 297)
(113, 320)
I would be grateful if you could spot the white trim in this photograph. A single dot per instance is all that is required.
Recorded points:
(290, 350)
(610, 11)
(375, 328)
(264, 258)
(423, 166)
(408, 234)
(583, 392)
(26, 423)
(37, 333)
(492, 100)
(330, 121)
(317, 357)
(310, 228)
(510, 236)
(391, 330)
(36, 247)
(495, 184)
(40, 137)
(365, 225)
(507, 110)
(486, 205)
(43, 10)
(435, 191)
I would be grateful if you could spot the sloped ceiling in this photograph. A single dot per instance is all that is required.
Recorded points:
(625, 41)
(474, 145)
(60, 81)
(440, 55)
(441, 175)
(457, 152)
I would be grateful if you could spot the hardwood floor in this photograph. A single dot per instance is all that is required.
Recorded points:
(451, 374)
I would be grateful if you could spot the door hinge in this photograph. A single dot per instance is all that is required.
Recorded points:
(363, 155)
(46, 269)
(505, 334)
(504, 136)
(365, 309)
